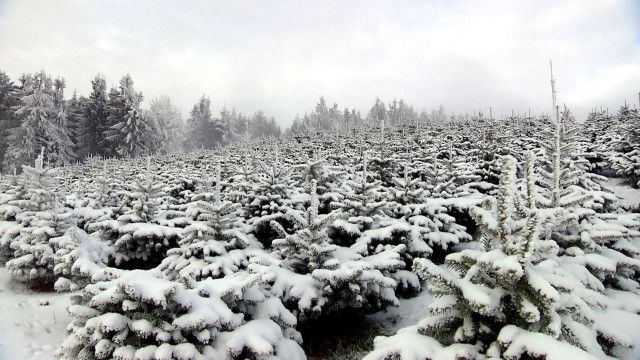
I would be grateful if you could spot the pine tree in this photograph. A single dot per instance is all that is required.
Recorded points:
(242, 182)
(629, 163)
(136, 236)
(309, 247)
(199, 125)
(79, 259)
(8, 100)
(566, 186)
(269, 203)
(517, 282)
(168, 128)
(363, 205)
(92, 135)
(145, 316)
(128, 133)
(115, 115)
(76, 123)
(33, 253)
(326, 177)
(36, 114)
(317, 277)
(60, 144)
(212, 245)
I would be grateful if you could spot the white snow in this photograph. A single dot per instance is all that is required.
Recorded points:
(628, 196)
(33, 324)
(408, 312)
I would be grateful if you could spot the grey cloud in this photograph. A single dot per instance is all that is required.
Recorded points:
(280, 56)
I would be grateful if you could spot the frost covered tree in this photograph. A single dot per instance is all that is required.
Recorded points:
(60, 144)
(448, 174)
(363, 203)
(76, 122)
(92, 135)
(31, 192)
(212, 245)
(142, 316)
(628, 165)
(33, 253)
(270, 199)
(316, 277)
(560, 171)
(378, 112)
(327, 178)
(129, 128)
(578, 212)
(36, 117)
(261, 126)
(167, 128)
(136, 235)
(242, 181)
(601, 140)
(420, 223)
(8, 99)
(199, 124)
(487, 301)
(309, 246)
(79, 259)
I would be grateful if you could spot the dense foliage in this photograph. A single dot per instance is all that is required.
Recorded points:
(222, 252)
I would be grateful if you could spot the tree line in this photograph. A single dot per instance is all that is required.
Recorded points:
(109, 122)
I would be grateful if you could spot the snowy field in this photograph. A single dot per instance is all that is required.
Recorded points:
(33, 324)
(318, 180)
(629, 197)
(467, 239)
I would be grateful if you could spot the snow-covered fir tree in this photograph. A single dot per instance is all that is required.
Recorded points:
(136, 234)
(213, 244)
(36, 121)
(129, 127)
(628, 164)
(141, 315)
(32, 259)
(92, 135)
(487, 300)
(309, 247)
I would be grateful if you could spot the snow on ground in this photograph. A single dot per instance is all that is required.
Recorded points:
(32, 324)
(629, 197)
(408, 313)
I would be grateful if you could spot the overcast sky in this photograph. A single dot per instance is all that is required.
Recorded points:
(281, 56)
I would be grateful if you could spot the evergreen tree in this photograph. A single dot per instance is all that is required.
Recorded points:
(309, 247)
(42, 123)
(60, 144)
(92, 134)
(363, 205)
(212, 245)
(167, 127)
(79, 259)
(141, 315)
(270, 200)
(516, 283)
(199, 125)
(136, 235)
(628, 165)
(115, 110)
(129, 131)
(378, 112)
(33, 253)
(76, 123)
(8, 100)
(35, 114)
